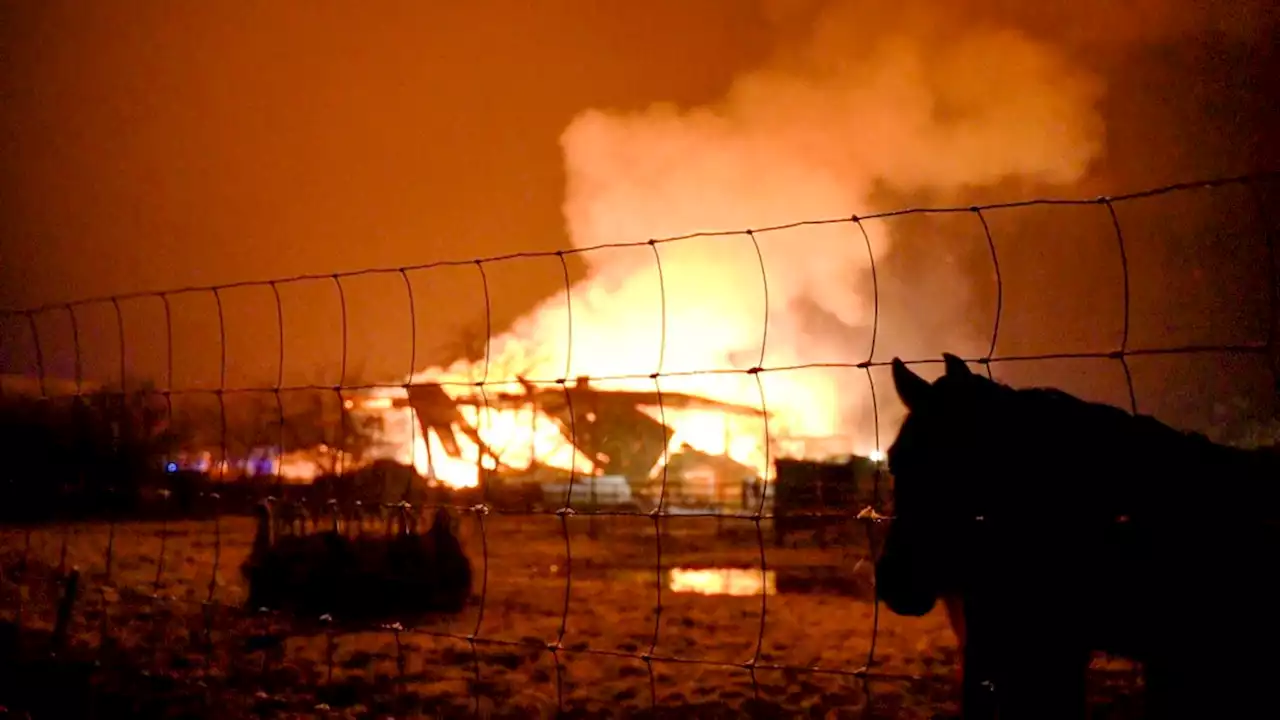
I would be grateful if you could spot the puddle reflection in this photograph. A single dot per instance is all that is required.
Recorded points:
(738, 582)
(857, 581)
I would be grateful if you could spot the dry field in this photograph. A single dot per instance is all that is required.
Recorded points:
(532, 655)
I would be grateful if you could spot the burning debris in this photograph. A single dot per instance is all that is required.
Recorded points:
(577, 429)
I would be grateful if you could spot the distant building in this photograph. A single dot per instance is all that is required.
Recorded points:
(696, 478)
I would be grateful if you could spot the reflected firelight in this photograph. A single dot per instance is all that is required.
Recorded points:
(738, 582)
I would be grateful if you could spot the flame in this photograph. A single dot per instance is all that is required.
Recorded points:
(722, 581)
(610, 340)
(522, 436)
(378, 403)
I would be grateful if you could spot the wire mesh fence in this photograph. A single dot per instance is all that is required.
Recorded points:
(135, 552)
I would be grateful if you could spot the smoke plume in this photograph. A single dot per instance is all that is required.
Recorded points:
(813, 134)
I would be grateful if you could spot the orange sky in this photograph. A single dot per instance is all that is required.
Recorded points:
(149, 145)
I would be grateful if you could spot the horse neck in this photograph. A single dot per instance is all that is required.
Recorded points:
(1182, 452)
(1250, 477)
(1193, 470)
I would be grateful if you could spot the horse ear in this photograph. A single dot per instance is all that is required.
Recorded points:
(912, 389)
(955, 366)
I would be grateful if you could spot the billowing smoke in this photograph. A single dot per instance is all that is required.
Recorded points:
(811, 135)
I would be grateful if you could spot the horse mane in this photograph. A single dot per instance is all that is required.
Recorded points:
(1138, 457)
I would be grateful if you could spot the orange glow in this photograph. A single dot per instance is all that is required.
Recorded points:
(522, 435)
(739, 582)
(377, 403)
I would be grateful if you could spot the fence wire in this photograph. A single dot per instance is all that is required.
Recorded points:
(649, 656)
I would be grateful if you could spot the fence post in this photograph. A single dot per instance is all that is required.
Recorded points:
(591, 519)
(71, 588)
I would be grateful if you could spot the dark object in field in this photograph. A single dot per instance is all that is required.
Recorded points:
(70, 589)
(35, 676)
(43, 685)
(809, 495)
(1050, 559)
(359, 576)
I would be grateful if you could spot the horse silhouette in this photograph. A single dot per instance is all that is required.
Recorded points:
(1053, 527)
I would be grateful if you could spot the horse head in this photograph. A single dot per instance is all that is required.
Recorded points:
(938, 483)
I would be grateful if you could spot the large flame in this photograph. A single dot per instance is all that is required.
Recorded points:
(522, 436)
(519, 436)
(811, 136)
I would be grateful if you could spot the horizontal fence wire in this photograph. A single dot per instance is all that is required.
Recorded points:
(482, 510)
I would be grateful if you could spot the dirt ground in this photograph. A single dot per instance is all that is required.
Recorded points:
(554, 626)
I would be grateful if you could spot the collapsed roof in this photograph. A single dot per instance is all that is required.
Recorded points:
(607, 426)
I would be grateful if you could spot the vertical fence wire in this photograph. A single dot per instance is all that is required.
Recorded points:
(482, 509)
(333, 633)
(117, 442)
(122, 418)
(413, 369)
(659, 513)
(24, 562)
(867, 515)
(78, 416)
(277, 392)
(567, 510)
(158, 603)
(170, 434)
(343, 415)
(1122, 352)
(223, 460)
(995, 266)
(755, 371)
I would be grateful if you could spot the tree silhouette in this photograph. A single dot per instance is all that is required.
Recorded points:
(312, 423)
